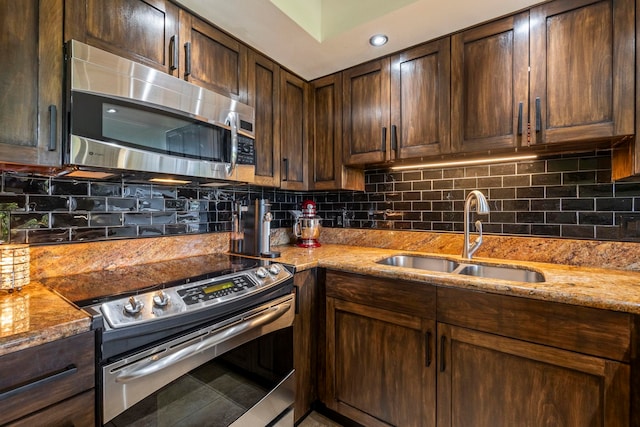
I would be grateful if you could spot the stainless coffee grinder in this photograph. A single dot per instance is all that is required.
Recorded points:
(251, 229)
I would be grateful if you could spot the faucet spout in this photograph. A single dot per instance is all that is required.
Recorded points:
(474, 199)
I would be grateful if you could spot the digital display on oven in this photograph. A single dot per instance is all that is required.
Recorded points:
(215, 288)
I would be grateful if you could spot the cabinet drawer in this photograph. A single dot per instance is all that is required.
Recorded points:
(79, 411)
(414, 298)
(40, 376)
(585, 330)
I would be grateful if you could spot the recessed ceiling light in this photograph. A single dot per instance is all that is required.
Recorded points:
(111, 110)
(378, 40)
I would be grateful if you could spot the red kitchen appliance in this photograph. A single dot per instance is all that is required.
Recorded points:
(307, 226)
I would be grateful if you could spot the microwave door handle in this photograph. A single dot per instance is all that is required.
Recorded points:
(234, 143)
(152, 365)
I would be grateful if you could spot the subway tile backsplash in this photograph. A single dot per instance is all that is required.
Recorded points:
(567, 196)
(41, 210)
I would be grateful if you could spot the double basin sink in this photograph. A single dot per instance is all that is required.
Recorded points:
(468, 269)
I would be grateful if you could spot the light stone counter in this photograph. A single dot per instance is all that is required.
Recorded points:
(591, 287)
(590, 273)
(36, 316)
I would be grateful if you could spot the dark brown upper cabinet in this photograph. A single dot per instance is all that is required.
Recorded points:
(366, 105)
(144, 31)
(31, 94)
(212, 59)
(294, 132)
(420, 101)
(327, 169)
(489, 85)
(264, 96)
(582, 70)
(398, 107)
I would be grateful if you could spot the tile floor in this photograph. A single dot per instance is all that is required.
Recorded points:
(314, 419)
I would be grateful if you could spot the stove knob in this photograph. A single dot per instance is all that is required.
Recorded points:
(160, 299)
(275, 269)
(261, 272)
(133, 306)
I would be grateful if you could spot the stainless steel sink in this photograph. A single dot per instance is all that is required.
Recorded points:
(504, 273)
(477, 270)
(421, 262)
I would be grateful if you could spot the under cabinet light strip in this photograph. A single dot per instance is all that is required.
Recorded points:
(466, 162)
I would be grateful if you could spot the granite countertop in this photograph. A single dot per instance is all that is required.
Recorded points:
(591, 287)
(36, 315)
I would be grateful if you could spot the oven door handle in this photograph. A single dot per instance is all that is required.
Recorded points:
(153, 364)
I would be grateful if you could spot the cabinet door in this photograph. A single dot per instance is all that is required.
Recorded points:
(582, 65)
(31, 82)
(489, 85)
(493, 381)
(379, 365)
(380, 350)
(212, 59)
(366, 103)
(294, 99)
(305, 341)
(264, 96)
(327, 169)
(420, 101)
(144, 31)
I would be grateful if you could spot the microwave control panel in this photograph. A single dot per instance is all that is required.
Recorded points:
(246, 151)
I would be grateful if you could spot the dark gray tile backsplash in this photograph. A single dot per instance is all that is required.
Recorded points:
(567, 196)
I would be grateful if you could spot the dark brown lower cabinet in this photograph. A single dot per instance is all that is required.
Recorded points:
(380, 351)
(412, 354)
(486, 380)
(77, 411)
(50, 384)
(508, 361)
(305, 341)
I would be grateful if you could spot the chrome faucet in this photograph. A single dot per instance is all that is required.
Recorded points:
(477, 199)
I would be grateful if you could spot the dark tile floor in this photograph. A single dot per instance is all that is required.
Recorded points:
(314, 419)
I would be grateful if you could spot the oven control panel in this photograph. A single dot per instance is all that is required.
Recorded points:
(205, 294)
(212, 291)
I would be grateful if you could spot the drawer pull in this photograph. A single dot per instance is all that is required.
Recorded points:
(38, 382)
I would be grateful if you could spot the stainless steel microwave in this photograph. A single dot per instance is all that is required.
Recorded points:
(129, 119)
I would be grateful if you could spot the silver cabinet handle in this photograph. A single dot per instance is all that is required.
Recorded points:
(156, 363)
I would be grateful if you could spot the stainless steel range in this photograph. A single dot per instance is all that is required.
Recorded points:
(211, 349)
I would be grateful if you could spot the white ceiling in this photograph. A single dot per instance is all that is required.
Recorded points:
(337, 31)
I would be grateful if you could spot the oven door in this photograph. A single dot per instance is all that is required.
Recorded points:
(238, 372)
